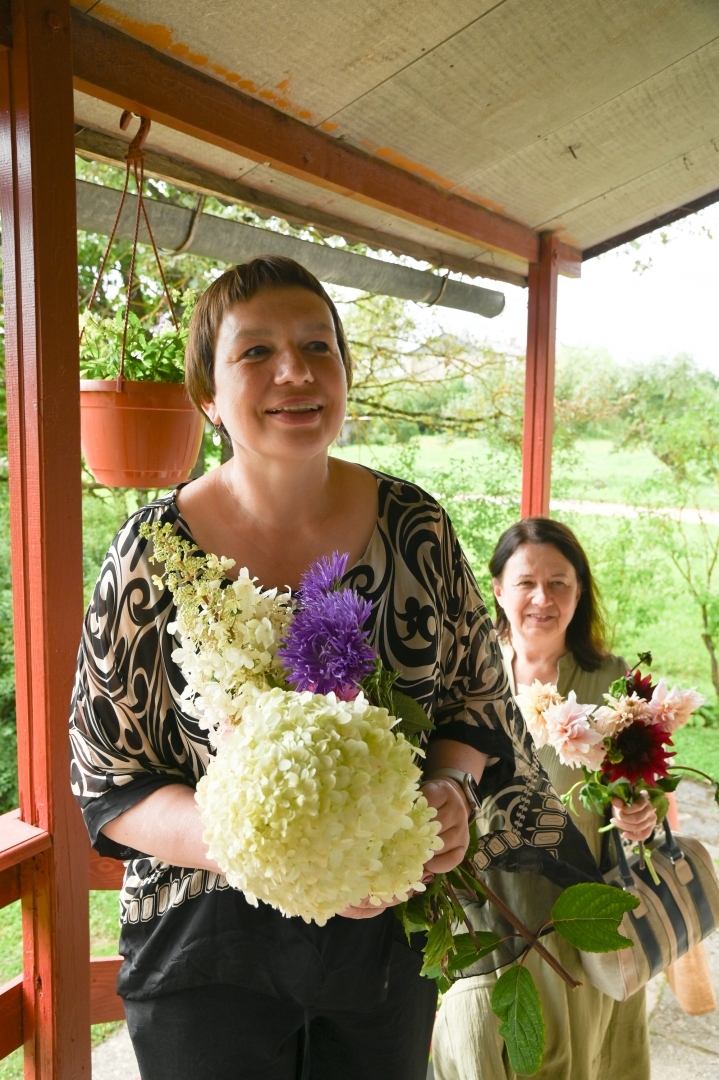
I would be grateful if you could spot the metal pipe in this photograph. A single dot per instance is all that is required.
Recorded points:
(233, 242)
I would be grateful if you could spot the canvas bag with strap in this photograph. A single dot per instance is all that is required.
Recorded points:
(673, 916)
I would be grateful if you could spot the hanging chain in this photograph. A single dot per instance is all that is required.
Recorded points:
(135, 161)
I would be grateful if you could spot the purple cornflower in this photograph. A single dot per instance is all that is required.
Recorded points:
(324, 576)
(326, 648)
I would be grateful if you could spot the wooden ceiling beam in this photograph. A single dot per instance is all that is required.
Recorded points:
(99, 146)
(125, 72)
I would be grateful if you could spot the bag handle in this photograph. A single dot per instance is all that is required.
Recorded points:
(622, 864)
(670, 847)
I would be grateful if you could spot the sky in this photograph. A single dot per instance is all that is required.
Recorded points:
(656, 297)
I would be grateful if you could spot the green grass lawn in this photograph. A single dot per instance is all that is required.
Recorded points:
(601, 474)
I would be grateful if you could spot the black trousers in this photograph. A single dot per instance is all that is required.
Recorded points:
(227, 1032)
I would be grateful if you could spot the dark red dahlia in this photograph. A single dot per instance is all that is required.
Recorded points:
(644, 754)
(642, 687)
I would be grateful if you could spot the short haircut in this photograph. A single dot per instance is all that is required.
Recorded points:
(242, 283)
(586, 632)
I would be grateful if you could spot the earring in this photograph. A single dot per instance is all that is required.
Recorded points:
(216, 437)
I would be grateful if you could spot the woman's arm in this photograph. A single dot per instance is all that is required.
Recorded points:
(165, 825)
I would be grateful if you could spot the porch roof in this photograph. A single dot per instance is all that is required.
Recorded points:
(590, 119)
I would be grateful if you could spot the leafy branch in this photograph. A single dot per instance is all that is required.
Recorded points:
(587, 915)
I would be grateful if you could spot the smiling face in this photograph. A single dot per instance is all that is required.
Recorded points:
(280, 385)
(539, 592)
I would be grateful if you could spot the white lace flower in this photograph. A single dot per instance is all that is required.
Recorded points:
(572, 736)
(533, 702)
(228, 635)
(312, 804)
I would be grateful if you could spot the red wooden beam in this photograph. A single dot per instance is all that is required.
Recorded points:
(11, 1016)
(105, 1005)
(37, 202)
(105, 873)
(19, 841)
(117, 68)
(539, 380)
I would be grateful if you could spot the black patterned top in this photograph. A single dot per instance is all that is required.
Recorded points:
(130, 735)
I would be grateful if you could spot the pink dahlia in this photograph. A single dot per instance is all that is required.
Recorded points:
(572, 736)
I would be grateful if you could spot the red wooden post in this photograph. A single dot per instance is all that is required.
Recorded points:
(539, 379)
(37, 201)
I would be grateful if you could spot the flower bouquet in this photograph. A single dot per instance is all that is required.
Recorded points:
(312, 799)
(624, 747)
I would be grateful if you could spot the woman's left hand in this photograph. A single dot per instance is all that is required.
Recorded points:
(453, 815)
(637, 821)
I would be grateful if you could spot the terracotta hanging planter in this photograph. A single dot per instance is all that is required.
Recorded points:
(146, 436)
(140, 433)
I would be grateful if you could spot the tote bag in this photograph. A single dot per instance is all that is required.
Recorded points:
(672, 916)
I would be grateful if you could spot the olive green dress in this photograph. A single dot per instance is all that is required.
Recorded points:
(589, 1035)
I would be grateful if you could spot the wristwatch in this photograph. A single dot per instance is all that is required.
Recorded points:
(465, 781)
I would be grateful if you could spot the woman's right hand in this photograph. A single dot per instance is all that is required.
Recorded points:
(635, 821)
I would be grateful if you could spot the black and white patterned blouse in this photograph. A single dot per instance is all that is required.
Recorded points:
(130, 736)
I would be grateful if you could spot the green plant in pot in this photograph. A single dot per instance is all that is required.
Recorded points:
(151, 355)
(139, 428)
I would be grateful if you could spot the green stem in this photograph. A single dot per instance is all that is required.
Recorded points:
(698, 772)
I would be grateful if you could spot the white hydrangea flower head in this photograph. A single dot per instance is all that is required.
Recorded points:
(533, 702)
(312, 804)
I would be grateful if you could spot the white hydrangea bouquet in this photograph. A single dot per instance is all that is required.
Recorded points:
(312, 801)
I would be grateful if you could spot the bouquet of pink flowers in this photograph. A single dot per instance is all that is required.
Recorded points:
(624, 747)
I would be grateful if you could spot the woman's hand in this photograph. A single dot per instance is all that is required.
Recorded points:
(365, 910)
(452, 809)
(637, 821)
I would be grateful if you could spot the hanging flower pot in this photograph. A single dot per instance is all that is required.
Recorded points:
(147, 435)
(138, 426)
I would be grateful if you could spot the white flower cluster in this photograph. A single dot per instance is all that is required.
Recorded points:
(313, 805)
(229, 633)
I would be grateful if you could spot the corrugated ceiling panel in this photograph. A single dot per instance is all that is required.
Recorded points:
(638, 132)
(306, 57)
(680, 181)
(519, 74)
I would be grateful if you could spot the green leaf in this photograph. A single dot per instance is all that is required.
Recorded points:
(669, 783)
(660, 802)
(413, 719)
(618, 688)
(414, 914)
(516, 1002)
(594, 797)
(589, 916)
(465, 952)
(473, 841)
(439, 942)
(621, 789)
